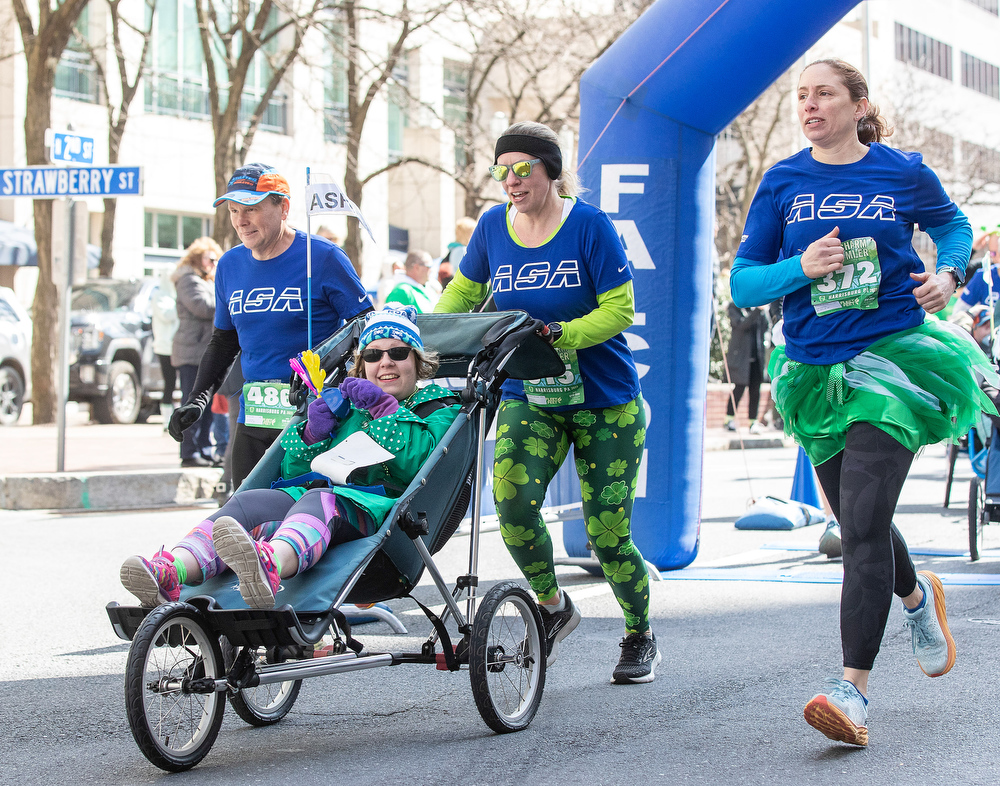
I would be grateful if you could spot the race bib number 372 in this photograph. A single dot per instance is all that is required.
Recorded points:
(266, 405)
(855, 285)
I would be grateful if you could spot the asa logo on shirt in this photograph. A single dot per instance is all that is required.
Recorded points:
(838, 207)
(265, 299)
(537, 275)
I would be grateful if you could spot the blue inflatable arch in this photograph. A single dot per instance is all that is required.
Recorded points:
(650, 109)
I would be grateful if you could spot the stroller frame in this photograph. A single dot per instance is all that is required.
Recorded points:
(187, 656)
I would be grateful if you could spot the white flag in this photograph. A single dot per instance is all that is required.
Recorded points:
(329, 198)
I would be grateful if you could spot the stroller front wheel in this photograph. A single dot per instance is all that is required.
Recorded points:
(173, 712)
(507, 658)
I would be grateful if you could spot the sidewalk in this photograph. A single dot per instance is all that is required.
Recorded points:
(105, 467)
(138, 466)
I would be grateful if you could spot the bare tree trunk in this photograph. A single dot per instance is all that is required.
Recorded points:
(45, 313)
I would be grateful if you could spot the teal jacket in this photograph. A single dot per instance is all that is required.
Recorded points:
(411, 438)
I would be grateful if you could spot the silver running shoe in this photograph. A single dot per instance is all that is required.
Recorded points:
(840, 713)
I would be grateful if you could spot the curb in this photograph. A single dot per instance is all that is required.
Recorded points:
(107, 490)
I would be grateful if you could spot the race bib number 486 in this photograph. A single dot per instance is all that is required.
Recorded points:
(266, 405)
(855, 285)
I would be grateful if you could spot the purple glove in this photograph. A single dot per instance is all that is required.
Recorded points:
(386, 406)
(362, 393)
(320, 422)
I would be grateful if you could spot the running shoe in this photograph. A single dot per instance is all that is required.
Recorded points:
(841, 713)
(829, 542)
(152, 581)
(557, 626)
(252, 561)
(932, 641)
(638, 660)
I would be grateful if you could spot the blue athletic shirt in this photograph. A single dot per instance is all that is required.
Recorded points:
(977, 292)
(881, 196)
(264, 302)
(556, 282)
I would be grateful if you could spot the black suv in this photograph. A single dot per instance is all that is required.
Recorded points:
(112, 365)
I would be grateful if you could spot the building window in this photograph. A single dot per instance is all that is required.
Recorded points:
(335, 88)
(923, 51)
(456, 104)
(399, 113)
(981, 162)
(76, 74)
(174, 231)
(177, 81)
(980, 76)
(990, 6)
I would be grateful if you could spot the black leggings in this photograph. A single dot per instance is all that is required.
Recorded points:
(862, 483)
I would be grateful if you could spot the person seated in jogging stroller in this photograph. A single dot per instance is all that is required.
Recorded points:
(265, 535)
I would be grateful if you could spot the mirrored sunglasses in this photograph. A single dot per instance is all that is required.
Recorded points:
(373, 355)
(522, 169)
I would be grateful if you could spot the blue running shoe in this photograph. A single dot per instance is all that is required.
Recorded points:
(840, 713)
(932, 641)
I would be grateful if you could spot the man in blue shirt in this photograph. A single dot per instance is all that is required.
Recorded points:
(261, 311)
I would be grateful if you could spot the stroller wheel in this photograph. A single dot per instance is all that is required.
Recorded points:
(264, 704)
(977, 517)
(173, 709)
(507, 658)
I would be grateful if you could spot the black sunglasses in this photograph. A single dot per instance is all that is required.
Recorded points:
(373, 355)
(522, 169)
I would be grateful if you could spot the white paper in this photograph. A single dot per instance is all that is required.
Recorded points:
(358, 450)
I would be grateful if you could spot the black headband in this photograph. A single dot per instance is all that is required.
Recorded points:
(542, 148)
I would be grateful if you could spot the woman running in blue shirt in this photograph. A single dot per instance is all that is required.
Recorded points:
(863, 380)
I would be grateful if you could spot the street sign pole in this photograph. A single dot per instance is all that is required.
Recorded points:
(63, 392)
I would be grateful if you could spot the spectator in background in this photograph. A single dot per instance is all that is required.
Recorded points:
(194, 279)
(412, 290)
(464, 228)
(745, 361)
(334, 237)
(165, 324)
(979, 291)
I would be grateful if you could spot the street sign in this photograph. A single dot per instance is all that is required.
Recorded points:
(50, 182)
(71, 148)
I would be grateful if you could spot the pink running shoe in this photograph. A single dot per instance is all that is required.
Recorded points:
(252, 561)
(152, 581)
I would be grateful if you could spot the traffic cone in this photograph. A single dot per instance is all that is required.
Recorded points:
(804, 482)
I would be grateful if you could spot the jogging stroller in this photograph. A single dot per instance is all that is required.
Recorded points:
(187, 657)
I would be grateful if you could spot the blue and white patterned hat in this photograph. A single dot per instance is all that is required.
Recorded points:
(399, 322)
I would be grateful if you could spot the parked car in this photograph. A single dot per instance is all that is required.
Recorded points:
(112, 365)
(15, 357)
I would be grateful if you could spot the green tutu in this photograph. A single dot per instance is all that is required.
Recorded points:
(920, 386)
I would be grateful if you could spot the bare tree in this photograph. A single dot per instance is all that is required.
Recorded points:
(45, 32)
(232, 34)
(121, 28)
(969, 172)
(525, 60)
(752, 143)
(367, 77)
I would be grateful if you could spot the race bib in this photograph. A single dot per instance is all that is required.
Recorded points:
(563, 391)
(266, 405)
(855, 285)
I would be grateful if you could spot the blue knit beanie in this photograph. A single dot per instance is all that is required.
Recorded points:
(399, 322)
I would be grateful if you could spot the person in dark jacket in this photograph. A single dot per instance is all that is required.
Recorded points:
(745, 360)
(194, 280)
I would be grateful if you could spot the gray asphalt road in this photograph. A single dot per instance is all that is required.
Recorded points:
(741, 658)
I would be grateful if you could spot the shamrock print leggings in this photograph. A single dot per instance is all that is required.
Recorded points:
(532, 444)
